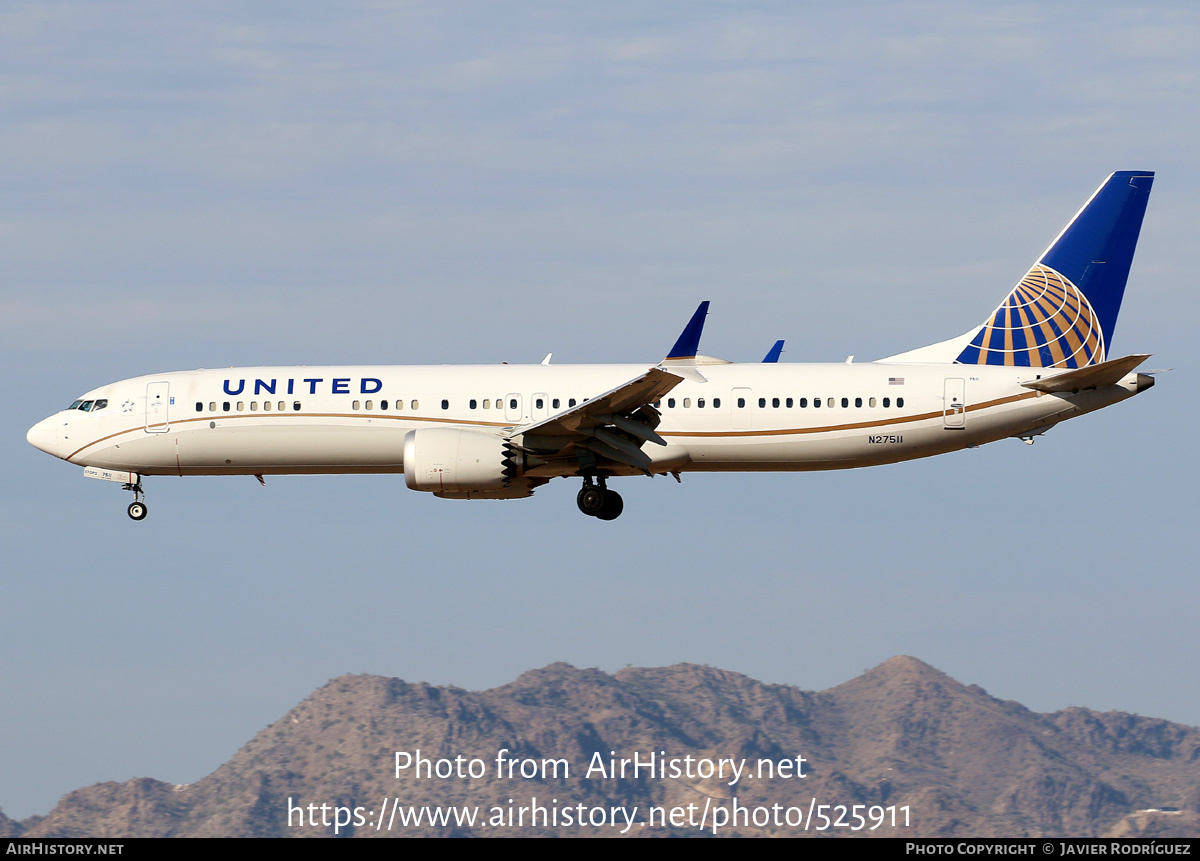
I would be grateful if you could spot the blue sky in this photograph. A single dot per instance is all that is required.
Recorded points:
(206, 184)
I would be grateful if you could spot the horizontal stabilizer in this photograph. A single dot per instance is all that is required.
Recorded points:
(1089, 377)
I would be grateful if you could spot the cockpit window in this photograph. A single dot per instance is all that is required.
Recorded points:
(75, 405)
(99, 405)
(86, 406)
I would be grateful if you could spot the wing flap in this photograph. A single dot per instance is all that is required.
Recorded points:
(626, 398)
(612, 426)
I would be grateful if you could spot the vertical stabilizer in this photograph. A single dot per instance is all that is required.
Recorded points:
(1063, 312)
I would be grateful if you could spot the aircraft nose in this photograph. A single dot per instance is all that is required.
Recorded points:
(44, 436)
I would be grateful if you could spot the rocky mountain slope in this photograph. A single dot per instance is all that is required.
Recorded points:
(901, 739)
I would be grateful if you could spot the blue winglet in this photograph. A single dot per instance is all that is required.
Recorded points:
(773, 353)
(689, 342)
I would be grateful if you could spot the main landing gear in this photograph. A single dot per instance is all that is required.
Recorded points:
(137, 509)
(596, 500)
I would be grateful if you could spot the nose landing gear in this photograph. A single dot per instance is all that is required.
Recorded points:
(596, 500)
(137, 509)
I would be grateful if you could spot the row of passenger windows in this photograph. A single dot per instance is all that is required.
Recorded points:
(226, 406)
(281, 406)
(539, 404)
(788, 403)
(267, 406)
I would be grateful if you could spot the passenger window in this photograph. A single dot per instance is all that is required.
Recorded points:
(445, 404)
(554, 404)
(700, 403)
(762, 403)
(415, 404)
(487, 404)
(887, 402)
(241, 406)
(512, 404)
(716, 403)
(871, 402)
(383, 405)
(296, 406)
(671, 403)
(399, 405)
(254, 406)
(266, 406)
(355, 405)
(803, 403)
(775, 403)
(816, 402)
(225, 406)
(858, 402)
(283, 406)
(539, 403)
(899, 402)
(199, 406)
(741, 403)
(845, 402)
(471, 404)
(370, 404)
(687, 402)
(571, 402)
(790, 402)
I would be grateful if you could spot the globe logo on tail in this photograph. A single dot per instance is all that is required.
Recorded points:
(1046, 322)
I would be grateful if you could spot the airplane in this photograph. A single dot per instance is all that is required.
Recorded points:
(501, 431)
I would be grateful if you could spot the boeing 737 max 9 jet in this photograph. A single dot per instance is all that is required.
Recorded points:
(498, 432)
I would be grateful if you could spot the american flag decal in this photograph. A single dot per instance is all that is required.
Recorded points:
(895, 381)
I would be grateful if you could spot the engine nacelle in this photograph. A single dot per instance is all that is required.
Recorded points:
(460, 464)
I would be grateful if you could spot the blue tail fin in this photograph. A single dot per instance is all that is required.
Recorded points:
(1063, 312)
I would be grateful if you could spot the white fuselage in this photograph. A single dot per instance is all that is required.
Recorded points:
(754, 417)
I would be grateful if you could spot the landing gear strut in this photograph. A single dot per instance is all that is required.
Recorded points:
(596, 500)
(137, 509)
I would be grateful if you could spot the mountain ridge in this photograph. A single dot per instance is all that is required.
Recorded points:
(901, 735)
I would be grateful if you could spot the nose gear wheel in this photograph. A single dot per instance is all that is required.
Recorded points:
(137, 509)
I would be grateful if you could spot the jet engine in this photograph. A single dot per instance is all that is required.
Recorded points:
(462, 464)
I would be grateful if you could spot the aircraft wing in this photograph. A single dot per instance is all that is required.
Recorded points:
(614, 425)
(1089, 376)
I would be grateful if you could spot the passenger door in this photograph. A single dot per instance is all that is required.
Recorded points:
(742, 406)
(954, 405)
(158, 398)
(512, 409)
